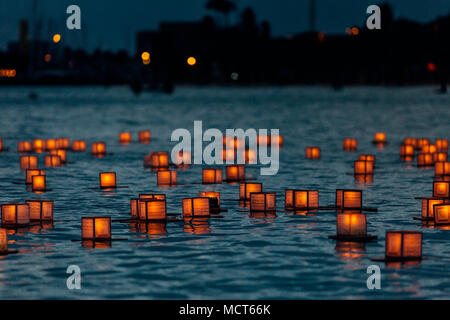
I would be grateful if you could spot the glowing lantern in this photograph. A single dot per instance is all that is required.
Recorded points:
(351, 225)
(166, 178)
(367, 157)
(152, 209)
(428, 207)
(38, 183)
(33, 172)
(442, 214)
(233, 142)
(158, 196)
(1, 144)
(429, 148)
(406, 150)
(214, 198)
(363, 167)
(348, 199)
(50, 144)
(62, 143)
(442, 169)
(15, 214)
(135, 203)
(251, 156)
(350, 144)
(24, 146)
(38, 145)
(61, 153)
(3, 241)
(98, 148)
(420, 143)
(134, 210)
(182, 158)
(441, 189)
(312, 153)
(246, 188)
(440, 157)
(196, 207)
(410, 141)
(263, 201)
(144, 136)
(28, 162)
(96, 228)
(229, 155)
(235, 172)
(425, 159)
(210, 176)
(52, 161)
(107, 180)
(124, 137)
(403, 245)
(442, 145)
(79, 145)
(157, 160)
(379, 137)
(301, 199)
(40, 210)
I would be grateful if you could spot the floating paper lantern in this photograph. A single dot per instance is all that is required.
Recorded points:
(96, 228)
(442, 214)
(50, 144)
(124, 137)
(28, 162)
(135, 203)
(440, 157)
(367, 157)
(78, 145)
(441, 145)
(153, 229)
(157, 160)
(98, 148)
(196, 207)
(379, 137)
(38, 183)
(251, 156)
(428, 204)
(406, 150)
(107, 180)
(420, 143)
(62, 153)
(212, 175)
(246, 188)
(158, 196)
(24, 146)
(1, 144)
(214, 198)
(263, 201)
(134, 208)
(441, 189)
(429, 148)
(15, 214)
(351, 225)
(52, 161)
(233, 142)
(38, 145)
(229, 155)
(235, 172)
(403, 245)
(442, 169)
(363, 167)
(410, 141)
(312, 153)
(350, 144)
(144, 136)
(62, 143)
(33, 172)
(183, 158)
(425, 159)
(40, 210)
(348, 199)
(152, 209)
(3, 241)
(301, 199)
(166, 178)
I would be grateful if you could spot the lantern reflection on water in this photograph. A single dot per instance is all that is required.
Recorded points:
(166, 178)
(214, 199)
(403, 245)
(348, 199)
(52, 161)
(96, 228)
(442, 214)
(124, 137)
(40, 210)
(38, 145)
(24, 146)
(152, 229)
(196, 225)
(263, 201)
(14, 214)
(3, 241)
(144, 136)
(107, 180)
(33, 172)
(98, 148)
(428, 207)
(442, 169)
(212, 175)
(38, 183)
(301, 199)
(235, 172)
(196, 207)
(363, 167)
(78, 145)
(425, 159)
(442, 145)
(246, 188)
(152, 209)
(312, 153)
(350, 144)
(29, 162)
(441, 189)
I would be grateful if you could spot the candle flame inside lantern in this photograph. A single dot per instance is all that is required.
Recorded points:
(235, 172)
(379, 137)
(312, 153)
(79, 145)
(166, 178)
(107, 180)
(3, 240)
(152, 209)
(28, 162)
(38, 183)
(263, 201)
(98, 148)
(246, 188)
(15, 214)
(441, 189)
(124, 137)
(350, 144)
(144, 136)
(196, 207)
(40, 210)
(52, 161)
(442, 145)
(403, 245)
(442, 214)
(442, 169)
(351, 224)
(33, 172)
(96, 228)
(212, 175)
(38, 145)
(363, 167)
(428, 207)
(24, 146)
(301, 199)
(348, 199)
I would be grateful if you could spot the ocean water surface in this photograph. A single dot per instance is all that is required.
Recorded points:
(239, 256)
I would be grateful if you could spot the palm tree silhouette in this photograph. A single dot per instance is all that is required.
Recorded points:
(222, 6)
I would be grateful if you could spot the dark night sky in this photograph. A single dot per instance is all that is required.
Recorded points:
(112, 24)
